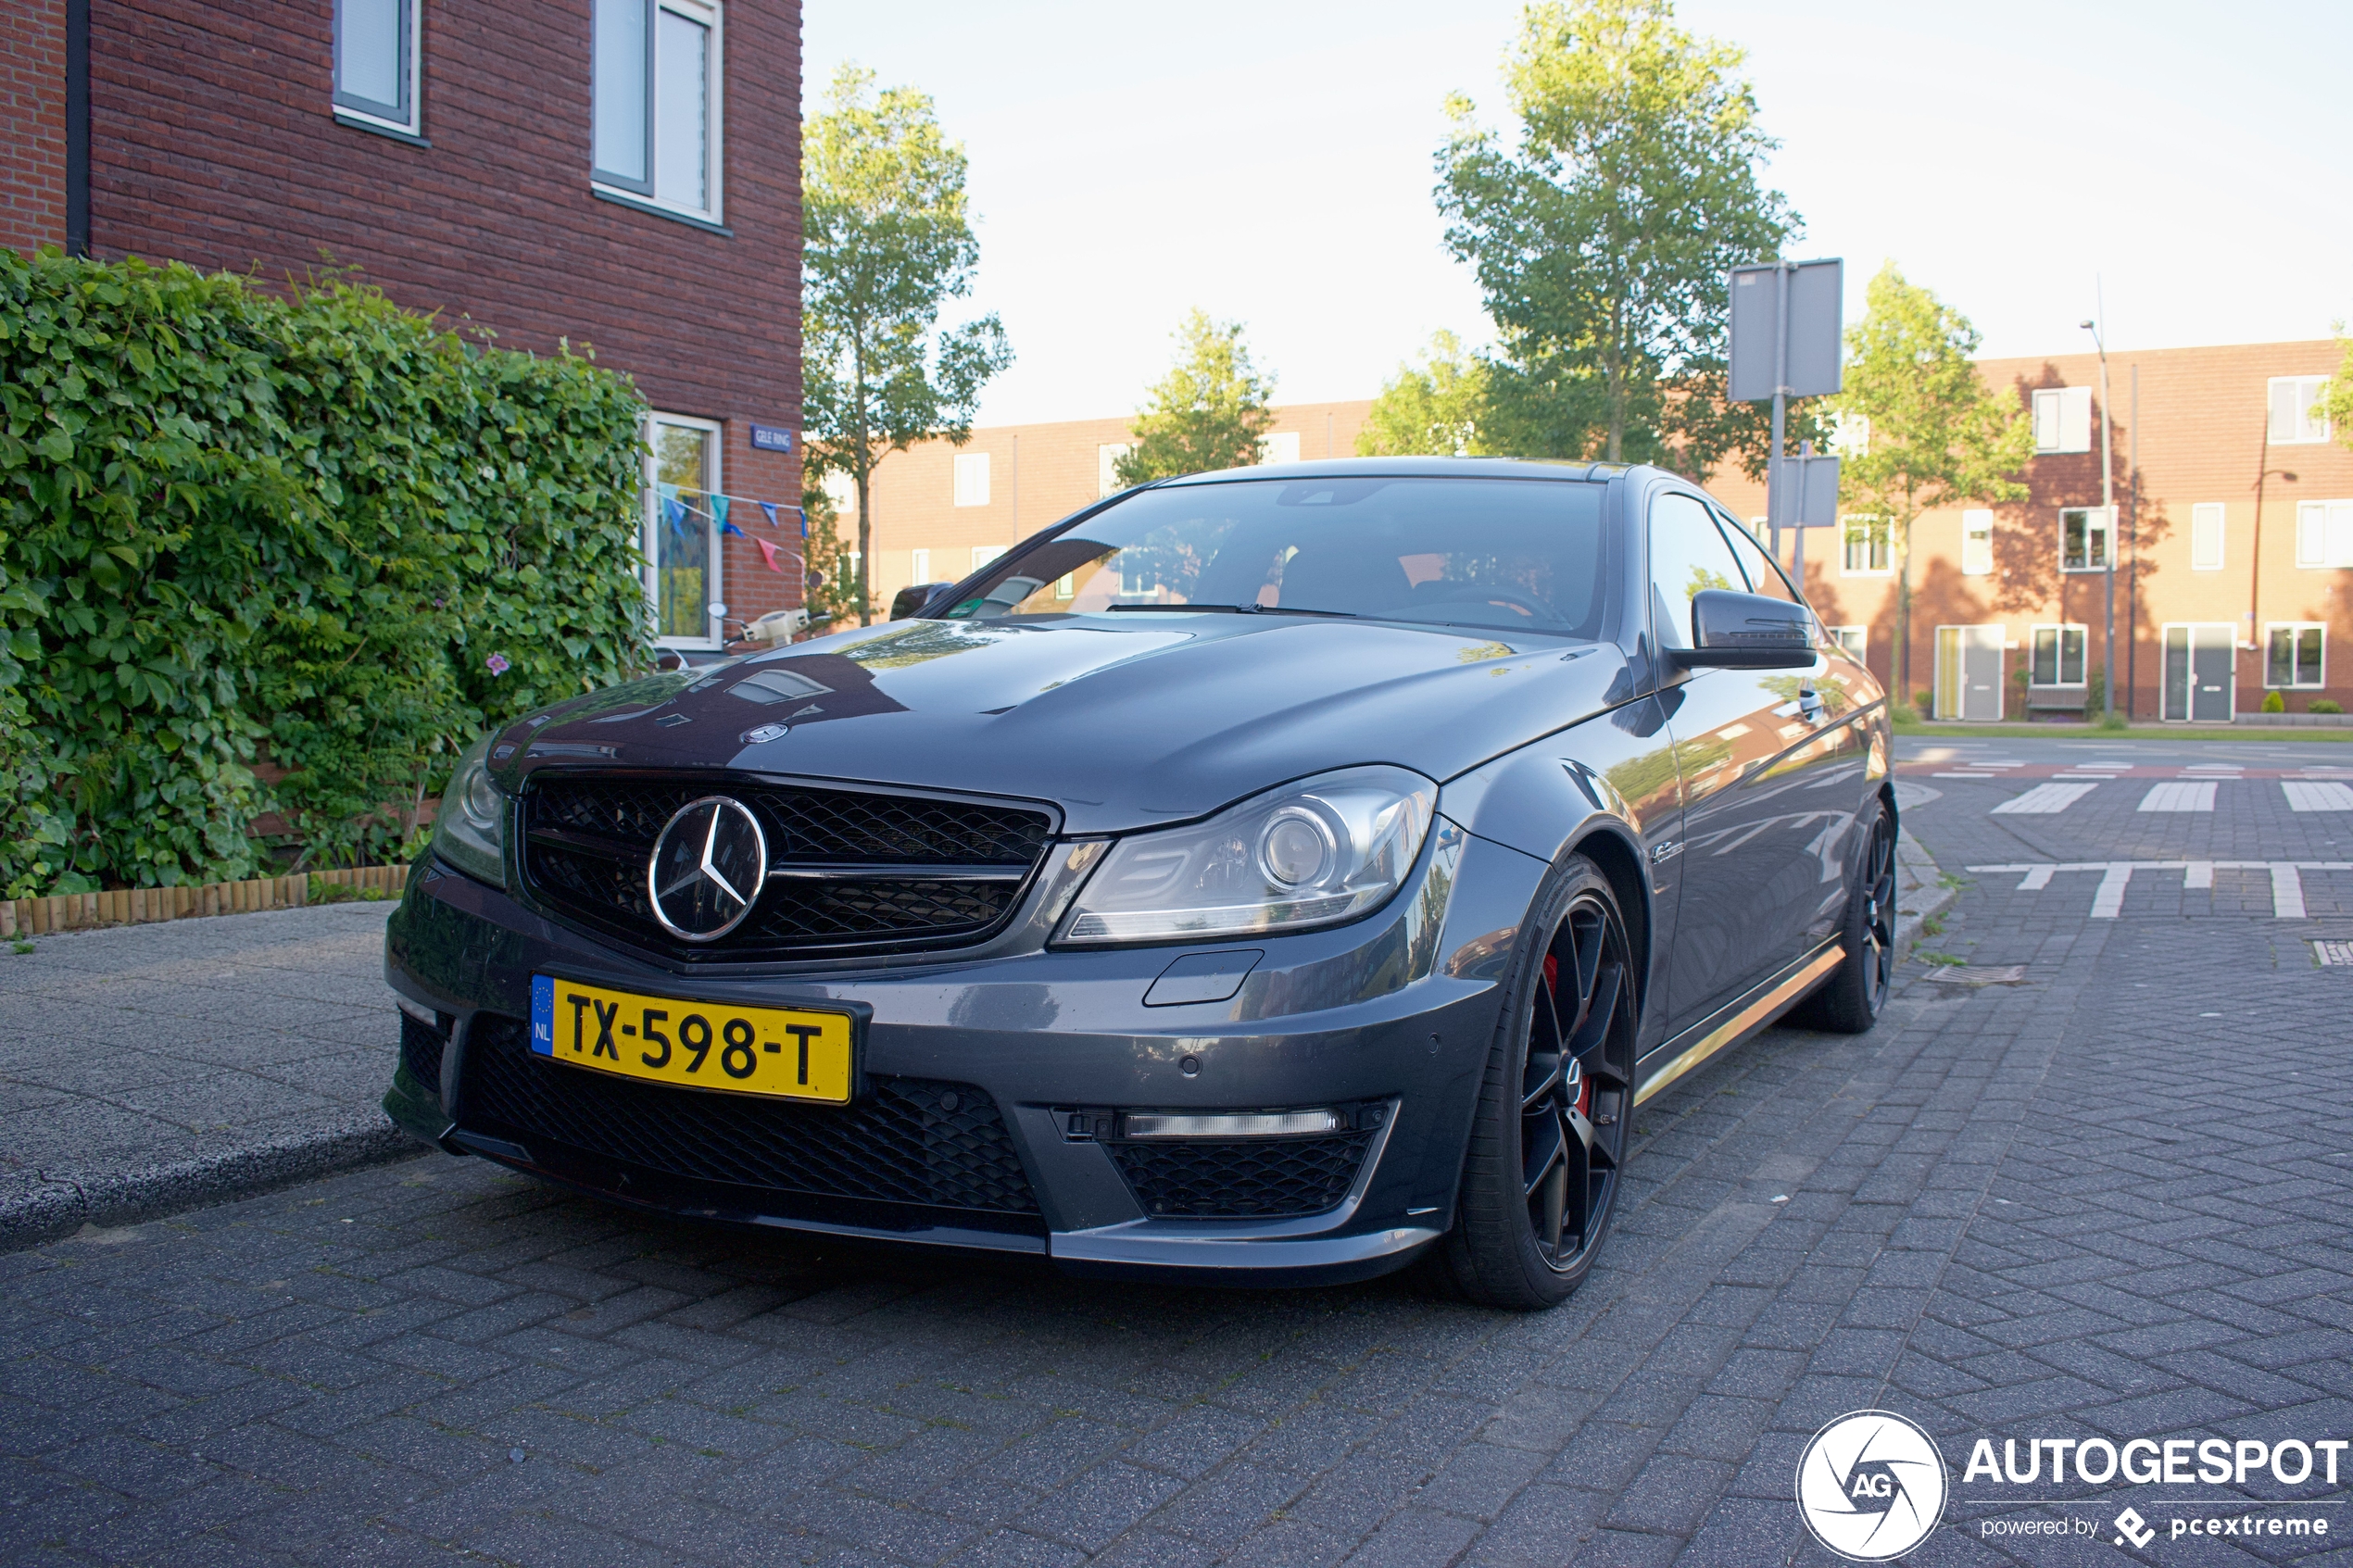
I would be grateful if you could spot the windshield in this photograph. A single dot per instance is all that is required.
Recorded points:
(1516, 555)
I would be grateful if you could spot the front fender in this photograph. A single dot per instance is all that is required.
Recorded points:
(1607, 787)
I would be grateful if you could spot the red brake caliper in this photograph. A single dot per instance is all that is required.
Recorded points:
(1585, 1085)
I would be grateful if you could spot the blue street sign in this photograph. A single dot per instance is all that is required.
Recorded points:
(771, 438)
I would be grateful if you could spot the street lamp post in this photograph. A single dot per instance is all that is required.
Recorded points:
(2107, 528)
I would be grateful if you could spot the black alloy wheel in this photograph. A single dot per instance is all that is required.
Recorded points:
(1850, 1001)
(1542, 1174)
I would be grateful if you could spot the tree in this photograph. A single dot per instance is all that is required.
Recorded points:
(1602, 245)
(1937, 434)
(1206, 413)
(1437, 407)
(2336, 397)
(886, 244)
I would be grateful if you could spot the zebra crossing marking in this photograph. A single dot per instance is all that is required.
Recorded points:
(2310, 795)
(2044, 799)
(2180, 795)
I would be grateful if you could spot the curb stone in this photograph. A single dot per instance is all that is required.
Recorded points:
(1919, 895)
(37, 1206)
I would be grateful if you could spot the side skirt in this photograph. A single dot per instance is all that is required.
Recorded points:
(1736, 1023)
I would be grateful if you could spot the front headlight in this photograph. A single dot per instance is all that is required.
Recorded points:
(1309, 854)
(469, 830)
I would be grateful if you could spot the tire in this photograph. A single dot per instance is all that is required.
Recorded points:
(1541, 1175)
(1850, 1001)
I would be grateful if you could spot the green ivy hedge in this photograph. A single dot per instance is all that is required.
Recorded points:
(307, 528)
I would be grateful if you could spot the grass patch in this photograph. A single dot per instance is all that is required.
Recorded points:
(1946, 959)
(2328, 735)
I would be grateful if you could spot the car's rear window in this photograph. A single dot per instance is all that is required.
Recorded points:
(1518, 555)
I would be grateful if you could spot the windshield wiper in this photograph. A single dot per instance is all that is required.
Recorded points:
(1237, 610)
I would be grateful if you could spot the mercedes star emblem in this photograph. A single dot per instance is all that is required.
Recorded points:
(707, 869)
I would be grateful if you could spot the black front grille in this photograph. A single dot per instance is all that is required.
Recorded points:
(904, 1140)
(420, 1052)
(587, 841)
(1244, 1178)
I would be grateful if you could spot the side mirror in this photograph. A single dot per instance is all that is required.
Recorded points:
(910, 601)
(1746, 631)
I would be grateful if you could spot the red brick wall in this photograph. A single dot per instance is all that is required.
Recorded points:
(213, 141)
(33, 124)
(2201, 439)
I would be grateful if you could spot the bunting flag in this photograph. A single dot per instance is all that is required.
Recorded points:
(769, 550)
(719, 515)
(770, 507)
(673, 512)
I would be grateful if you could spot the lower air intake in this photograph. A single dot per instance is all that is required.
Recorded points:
(904, 1140)
(1244, 1179)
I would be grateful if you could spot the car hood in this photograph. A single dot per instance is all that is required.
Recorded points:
(1123, 721)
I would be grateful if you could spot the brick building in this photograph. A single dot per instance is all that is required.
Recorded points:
(2237, 587)
(621, 175)
(941, 511)
(2233, 544)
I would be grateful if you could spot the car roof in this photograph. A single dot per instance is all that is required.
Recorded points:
(1415, 467)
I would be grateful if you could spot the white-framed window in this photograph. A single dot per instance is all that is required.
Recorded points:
(919, 566)
(983, 554)
(2324, 533)
(1066, 585)
(2063, 419)
(2084, 532)
(2058, 656)
(378, 57)
(1977, 541)
(1107, 458)
(2295, 415)
(972, 479)
(683, 584)
(656, 114)
(1279, 447)
(2205, 536)
(1850, 434)
(841, 489)
(1866, 552)
(1854, 639)
(2294, 654)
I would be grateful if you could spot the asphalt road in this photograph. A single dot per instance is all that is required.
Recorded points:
(2101, 1200)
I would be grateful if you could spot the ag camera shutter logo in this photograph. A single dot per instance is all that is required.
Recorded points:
(1871, 1485)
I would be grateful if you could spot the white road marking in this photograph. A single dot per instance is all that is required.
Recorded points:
(2044, 799)
(2304, 795)
(2180, 797)
(2094, 778)
(2108, 900)
(2287, 891)
(1960, 775)
(2332, 952)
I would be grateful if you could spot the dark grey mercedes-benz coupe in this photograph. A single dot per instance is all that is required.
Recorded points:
(1271, 876)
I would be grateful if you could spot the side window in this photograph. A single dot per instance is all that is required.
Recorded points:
(1688, 553)
(1764, 577)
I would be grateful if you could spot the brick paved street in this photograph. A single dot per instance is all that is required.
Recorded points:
(2107, 1201)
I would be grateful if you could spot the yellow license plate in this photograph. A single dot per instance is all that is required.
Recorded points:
(787, 1053)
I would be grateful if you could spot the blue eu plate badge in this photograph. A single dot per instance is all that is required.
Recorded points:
(542, 1014)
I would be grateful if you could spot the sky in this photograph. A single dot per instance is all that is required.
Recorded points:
(2181, 165)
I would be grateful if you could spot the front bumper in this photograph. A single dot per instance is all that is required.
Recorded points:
(1397, 1012)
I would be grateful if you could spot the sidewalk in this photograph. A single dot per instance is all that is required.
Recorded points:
(153, 1067)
